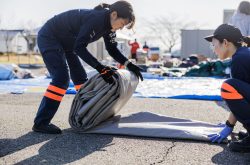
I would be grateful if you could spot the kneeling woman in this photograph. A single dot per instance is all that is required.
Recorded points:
(228, 42)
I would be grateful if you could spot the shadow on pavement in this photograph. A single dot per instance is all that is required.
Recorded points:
(9, 146)
(60, 149)
(227, 157)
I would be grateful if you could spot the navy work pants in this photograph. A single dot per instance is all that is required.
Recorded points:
(62, 65)
(236, 93)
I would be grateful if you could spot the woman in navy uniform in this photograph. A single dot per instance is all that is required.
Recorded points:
(65, 37)
(228, 42)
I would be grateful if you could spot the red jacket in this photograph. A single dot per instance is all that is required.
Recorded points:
(134, 47)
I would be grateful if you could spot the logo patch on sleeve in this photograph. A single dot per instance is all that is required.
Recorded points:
(92, 34)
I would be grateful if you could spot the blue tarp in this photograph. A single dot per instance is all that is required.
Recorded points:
(6, 72)
(153, 86)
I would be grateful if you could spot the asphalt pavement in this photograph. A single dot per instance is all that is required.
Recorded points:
(19, 145)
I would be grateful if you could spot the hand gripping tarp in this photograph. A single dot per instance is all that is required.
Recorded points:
(95, 105)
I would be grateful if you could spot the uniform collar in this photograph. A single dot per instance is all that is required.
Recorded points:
(239, 50)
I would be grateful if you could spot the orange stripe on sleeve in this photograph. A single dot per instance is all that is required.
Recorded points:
(229, 88)
(56, 89)
(231, 96)
(53, 96)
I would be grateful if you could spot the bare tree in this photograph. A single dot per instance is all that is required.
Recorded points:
(166, 31)
(29, 35)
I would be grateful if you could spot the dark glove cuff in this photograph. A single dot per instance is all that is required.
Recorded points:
(229, 124)
(99, 68)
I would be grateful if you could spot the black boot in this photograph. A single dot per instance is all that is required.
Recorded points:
(49, 129)
(242, 134)
(240, 145)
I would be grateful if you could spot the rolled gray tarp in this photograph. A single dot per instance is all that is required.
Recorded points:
(97, 102)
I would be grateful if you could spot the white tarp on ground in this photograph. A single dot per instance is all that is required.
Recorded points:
(95, 105)
(202, 88)
(23, 85)
(206, 88)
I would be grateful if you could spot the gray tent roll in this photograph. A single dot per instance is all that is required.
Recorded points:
(97, 102)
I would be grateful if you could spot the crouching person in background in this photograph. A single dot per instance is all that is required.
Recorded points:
(228, 42)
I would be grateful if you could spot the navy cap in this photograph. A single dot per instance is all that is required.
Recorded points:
(228, 32)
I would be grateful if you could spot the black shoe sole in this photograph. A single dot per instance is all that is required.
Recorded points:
(44, 131)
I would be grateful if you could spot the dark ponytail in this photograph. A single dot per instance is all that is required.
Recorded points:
(102, 6)
(123, 8)
(247, 41)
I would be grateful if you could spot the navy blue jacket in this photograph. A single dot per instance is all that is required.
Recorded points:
(75, 29)
(240, 68)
